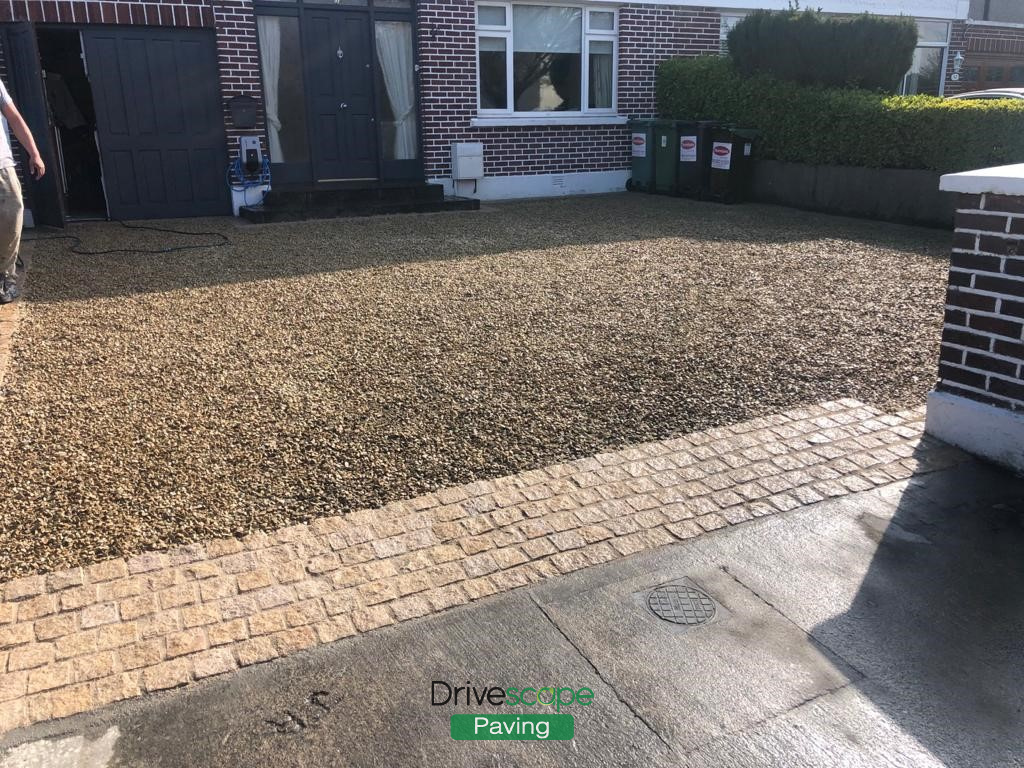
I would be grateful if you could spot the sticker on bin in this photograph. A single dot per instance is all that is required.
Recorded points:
(639, 145)
(746, 149)
(721, 155)
(687, 149)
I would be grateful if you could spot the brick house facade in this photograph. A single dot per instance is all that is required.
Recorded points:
(647, 35)
(993, 56)
(524, 153)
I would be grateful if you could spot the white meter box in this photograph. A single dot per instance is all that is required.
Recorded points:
(467, 160)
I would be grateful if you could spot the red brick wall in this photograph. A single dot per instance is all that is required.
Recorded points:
(981, 43)
(650, 34)
(957, 42)
(238, 56)
(158, 13)
(998, 40)
(447, 43)
(982, 353)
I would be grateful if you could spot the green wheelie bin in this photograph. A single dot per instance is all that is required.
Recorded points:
(641, 138)
(666, 140)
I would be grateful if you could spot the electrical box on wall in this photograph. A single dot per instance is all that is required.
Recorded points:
(467, 160)
(250, 154)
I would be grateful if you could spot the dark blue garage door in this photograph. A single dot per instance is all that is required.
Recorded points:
(158, 118)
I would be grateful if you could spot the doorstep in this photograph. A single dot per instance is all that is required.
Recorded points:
(79, 639)
(343, 201)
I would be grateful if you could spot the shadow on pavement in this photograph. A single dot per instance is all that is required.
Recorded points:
(937, 625)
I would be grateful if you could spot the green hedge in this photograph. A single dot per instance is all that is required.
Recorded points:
(810, 48)
(822, 126)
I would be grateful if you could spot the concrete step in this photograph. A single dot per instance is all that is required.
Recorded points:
(325, 206)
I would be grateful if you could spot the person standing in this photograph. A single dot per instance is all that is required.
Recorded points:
(11, 205)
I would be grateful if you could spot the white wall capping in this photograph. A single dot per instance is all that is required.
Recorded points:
(1000, 180)
(994, 433)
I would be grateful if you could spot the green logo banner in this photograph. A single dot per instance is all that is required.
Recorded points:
(512, 727)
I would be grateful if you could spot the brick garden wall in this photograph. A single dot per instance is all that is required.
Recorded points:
(447, 43)
(983, 336)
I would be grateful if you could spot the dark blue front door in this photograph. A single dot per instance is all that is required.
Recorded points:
(340, 80)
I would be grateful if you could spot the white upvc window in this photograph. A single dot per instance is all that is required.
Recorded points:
(729, 20)
(539, 61)
(928, 71)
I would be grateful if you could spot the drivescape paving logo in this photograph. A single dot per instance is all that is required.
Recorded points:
(551, 725)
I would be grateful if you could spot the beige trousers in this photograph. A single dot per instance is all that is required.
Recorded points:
(11, 210)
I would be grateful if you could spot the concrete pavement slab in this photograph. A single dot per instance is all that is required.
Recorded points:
(696, 683)
(369, 703)
(843, 728)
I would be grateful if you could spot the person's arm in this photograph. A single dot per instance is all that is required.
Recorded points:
(20, 128)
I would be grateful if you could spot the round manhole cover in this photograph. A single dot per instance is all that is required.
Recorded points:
(681, 604)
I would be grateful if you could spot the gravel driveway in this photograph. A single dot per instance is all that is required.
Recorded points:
(319, 367)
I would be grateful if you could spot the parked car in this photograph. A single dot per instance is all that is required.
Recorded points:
(992, 93)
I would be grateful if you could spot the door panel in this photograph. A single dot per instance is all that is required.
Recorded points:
(26, 81)
(340, 94)
(161, 134)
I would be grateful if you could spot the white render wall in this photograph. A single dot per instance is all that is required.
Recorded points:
(993, 433)
(538, 185)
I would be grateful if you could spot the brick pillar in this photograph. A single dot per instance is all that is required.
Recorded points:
(978, 403)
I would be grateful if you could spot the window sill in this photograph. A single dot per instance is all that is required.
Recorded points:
(510, 121)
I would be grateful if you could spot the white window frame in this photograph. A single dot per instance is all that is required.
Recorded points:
(724, 28)
(582, 116)
(932, 44)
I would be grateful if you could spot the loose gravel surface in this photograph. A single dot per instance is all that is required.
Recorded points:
(318, 367)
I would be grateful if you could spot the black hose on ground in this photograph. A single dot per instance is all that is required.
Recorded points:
(76, 241)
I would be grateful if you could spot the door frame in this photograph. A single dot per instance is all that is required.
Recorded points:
(388, 171)
(79, 29)
(45, 199)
